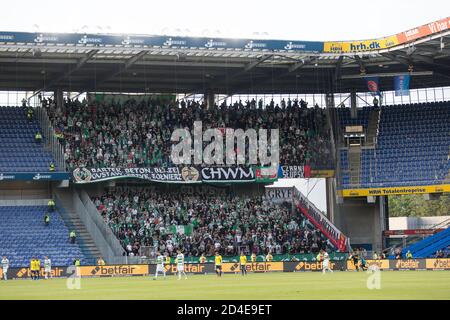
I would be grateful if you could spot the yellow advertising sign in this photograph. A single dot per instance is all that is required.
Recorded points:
(440, 264)
(360, 46)
(26, 272)
(396, 190)
(114, 270)
(354, 129)
(322, 173)
(188, 267)
(312, 266)
(253, 267)
(408, 264)
(381, 264)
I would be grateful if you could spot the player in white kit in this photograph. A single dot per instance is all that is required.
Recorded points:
(326, 262)
(47, 267)
(159, 265)
(180, 265)
(5, 267)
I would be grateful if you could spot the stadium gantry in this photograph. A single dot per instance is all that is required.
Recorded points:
(128, 63)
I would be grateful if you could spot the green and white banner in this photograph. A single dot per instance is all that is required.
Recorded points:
(181, 229)
(156, 174)
(176, 174)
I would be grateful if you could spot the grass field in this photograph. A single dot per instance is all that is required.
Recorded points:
(300, 285)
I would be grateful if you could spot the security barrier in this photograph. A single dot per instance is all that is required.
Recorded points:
(25, 273)
(232, 267)
(437, 264)
(380, 264)
(114, 270)
(410, 264)
(254, 267)
(275, 257)
(195, 268)
(312, 266)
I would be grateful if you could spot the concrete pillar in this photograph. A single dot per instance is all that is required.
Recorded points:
(360, 221)
(353, 113)
(329, 100)
(384, 216)
(333, 200)
(59, 98)
(209, 98)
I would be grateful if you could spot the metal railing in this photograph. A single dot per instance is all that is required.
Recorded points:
(50, 138)
(412, 239)
(321, 218)
(96, 234)
(331, 132)
(441, 225)
(378, 126)
(117, 252)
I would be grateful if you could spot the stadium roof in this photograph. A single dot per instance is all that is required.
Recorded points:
(120, 63)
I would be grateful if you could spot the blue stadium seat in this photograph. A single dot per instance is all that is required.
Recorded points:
(412, 149)
(18, 150)
(24, 235)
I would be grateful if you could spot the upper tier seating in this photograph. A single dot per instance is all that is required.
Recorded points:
(23, 235)
(18, 150)
(137, 133)
(361, 119)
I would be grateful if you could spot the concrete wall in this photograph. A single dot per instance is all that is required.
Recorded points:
(405, 223)
(22, 202)
(362, 222)
(24, 190)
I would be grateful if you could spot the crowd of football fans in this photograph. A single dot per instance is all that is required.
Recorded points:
(224, 224)
(137, 133)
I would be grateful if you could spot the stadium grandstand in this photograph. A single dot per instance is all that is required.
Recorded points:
(86, 128)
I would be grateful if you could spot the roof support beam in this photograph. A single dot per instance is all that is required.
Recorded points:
(254, 64)
(297, 65)
(81, 62)
(248, 67)
(396, 58)
(362, 67)
(426, 59)
(437, 69)
(337, 71)
(415, 56)
(291, 69)
(388, 74)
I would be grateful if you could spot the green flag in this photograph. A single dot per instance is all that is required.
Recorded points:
(182, 229)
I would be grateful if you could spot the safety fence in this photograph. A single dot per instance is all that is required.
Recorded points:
(234, 267)
(320, 221)
(335, 256)
(49, 134)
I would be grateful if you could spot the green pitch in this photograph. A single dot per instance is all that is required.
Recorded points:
(300, 285)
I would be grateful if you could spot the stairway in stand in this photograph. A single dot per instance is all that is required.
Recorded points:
(73, 222)
(354, 161)
(372, 127)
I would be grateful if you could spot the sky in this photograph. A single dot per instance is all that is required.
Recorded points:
(314, 189)
(290, 20)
